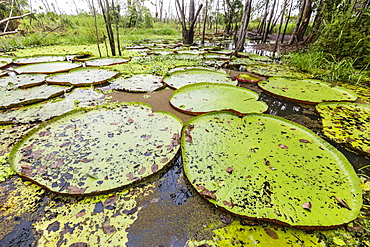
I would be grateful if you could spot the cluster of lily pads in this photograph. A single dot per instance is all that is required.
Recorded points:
(241, 160)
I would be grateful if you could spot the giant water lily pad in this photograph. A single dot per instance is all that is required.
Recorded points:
(96, 62)
(184, 77)
(139, 83)
(17, 97)
(47, 68)
(306, 90)
(269, 168)
(98, 150)
(39, 59)
(54, 107)
(22, 81)
(275, 70)
(204, 97)
(81, 77)
(347, 123)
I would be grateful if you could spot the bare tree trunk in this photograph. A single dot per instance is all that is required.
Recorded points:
(265, 34)
(297, 25)
(108, 25)
(217, 10)
(316, 22)
(205, 22)
(280, 26)
(96, 26)
(188, 32)
(287, 21)
(306, 19)
(115, 14)
(243, 29)
(262, 25)
(160, 10)
(10, 15)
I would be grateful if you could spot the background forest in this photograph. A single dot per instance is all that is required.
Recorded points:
(329, 39)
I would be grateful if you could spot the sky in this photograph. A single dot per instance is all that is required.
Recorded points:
(70, 6)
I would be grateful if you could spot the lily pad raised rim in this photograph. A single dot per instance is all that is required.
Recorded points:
(76, 65)
(40, 55)
(67, 83)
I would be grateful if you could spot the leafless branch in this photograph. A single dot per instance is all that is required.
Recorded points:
(15, 17)
(11, 32)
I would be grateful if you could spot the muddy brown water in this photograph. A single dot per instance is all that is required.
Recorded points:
(174, 212)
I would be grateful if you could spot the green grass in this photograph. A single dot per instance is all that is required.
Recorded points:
(326, 67)
(52, 29)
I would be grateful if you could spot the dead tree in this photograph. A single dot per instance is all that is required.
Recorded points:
(302, 22)
(205, 22)
(267, 29)
(116, 22)
(188, 26)
(280, 26)
(108, 24)
(239, 47)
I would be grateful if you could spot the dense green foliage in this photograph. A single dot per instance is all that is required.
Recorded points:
(345, 35)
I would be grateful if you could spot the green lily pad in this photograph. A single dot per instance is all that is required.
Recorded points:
(238, 235)
(47, 68)
(204, 97)
(97, 150)
(189, 52)
(347, 123)
(184, 77)
(245, 77)
(306, 90)
(139, 83)
(222, 52)
(80, 224)
(17, 97)
(81, 77)
(259, 58)
(97, 62)
(213, 56)
(39, 59)
(4, 61)
(275, 70)
(268, 168)
(22, 81)
(55, 107)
